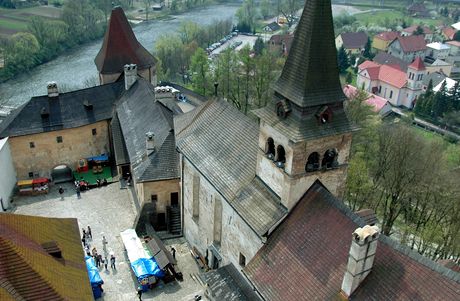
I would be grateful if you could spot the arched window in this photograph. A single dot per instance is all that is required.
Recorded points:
(280, 156)
(330, 159)
(270, 148)
(312, 162)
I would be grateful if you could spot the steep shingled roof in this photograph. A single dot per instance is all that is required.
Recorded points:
(28, 272)
(411, 43)
(305, 258)
(120, 47)
(310, 75)
(354, 40)
(417, 64)
(388, 35)
(384, 58)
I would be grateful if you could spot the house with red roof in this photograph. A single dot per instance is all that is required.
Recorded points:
(379, 104)
(382, 40)
(409, 31)
(281, 43)
(408, 48)
(400, 88)
(448, 32)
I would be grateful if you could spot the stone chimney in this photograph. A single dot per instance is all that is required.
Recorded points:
(149, 143)
(52, 89)
(130, 75)
(360, 259)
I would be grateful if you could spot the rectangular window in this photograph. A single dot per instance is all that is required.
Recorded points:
(94, 132)
(31, 144)
(380, 89)
(196, 196)
(217, 231)
(242, 260)
(154, 198)
(59, 139)
(391, 94)
(31, 174)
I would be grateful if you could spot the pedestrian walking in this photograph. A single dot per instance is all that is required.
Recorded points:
(88, 253)
(83, 240)
(139, 293)
(77, 189)
(106, 262)
(104, 243)
(173, 251)
(112, 262)
(61, 191)
(89, 233)
(96, 259)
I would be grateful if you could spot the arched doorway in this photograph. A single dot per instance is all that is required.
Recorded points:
(61, 173)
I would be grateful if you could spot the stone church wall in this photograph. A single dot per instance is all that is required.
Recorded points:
(237, 237)
(47, 153)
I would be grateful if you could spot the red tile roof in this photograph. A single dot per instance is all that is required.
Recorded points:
(411, 29)
(393, 76)
(454, 43)
(120, 47)
(449, 32)
(305, 258)
(412, 43)
(29, 272)
(376, 102)
(417, 64)
(354, 40)
(388, 35)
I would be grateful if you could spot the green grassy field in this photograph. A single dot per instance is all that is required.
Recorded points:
(382, 16)
(16, 20)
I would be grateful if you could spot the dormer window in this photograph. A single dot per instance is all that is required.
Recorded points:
(270, 149)
(324, 115)
(283, 108)
(312, 162)
(330, 159)
(280, 156)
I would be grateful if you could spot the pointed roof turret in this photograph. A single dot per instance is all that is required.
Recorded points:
(310, 76)
(417, 64)
(121, 47)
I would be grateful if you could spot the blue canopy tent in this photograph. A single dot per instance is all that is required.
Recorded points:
(94, 277)
(144, 268)
(100, 158)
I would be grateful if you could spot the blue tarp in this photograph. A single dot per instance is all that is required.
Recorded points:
(102, 157)
(93, 272)
(146, 267)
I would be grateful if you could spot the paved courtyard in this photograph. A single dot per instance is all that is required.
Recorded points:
(110, 210)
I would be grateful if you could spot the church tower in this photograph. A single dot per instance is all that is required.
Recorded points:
(304, 132)
(119, 48)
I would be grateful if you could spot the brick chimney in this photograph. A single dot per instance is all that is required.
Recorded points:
(149, 143)
(130, 75)
(360, 259)
(52, 89)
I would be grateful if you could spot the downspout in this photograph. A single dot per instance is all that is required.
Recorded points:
(182, 194)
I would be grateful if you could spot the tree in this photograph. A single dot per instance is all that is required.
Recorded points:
(259, 46)
(200, 71)
(457, 36)
(418, 31)
(367, 49)
(440, 101)
(21, 52)
(246, 16)
(343, 61)
(265, 8)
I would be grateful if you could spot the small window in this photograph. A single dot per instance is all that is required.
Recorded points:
(59, 139)
(242, 260)
(391, 94)
(31, 174)
(380, 89)
(31, 144)
(270, 148)
(154, 198)
(312, 162)
(280, 154)
(329, 159)
(94, 132)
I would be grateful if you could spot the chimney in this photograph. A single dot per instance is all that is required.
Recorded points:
(130, 75)
(52, 89)
(149, 143)
(361, 258)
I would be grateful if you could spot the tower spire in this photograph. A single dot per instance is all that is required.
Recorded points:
(310, 76)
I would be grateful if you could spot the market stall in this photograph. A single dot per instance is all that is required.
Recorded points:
(143, 264)
(94, 277)
(34, 186)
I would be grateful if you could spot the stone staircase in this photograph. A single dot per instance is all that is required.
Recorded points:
(174, 224)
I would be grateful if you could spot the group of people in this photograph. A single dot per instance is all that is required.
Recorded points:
(98, 259)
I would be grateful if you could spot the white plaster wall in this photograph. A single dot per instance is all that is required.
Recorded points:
(237, 236)
(7, 173)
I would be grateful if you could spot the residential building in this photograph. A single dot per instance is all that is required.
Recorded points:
(434, 77)
(7, 176)
(448, 83)
(439, 66)
(271, 27)
(42, 259)
(408, 48)
(427, 32)
(390, 82)
(281, 43)
(384, 58)
(454, 58)
(353, 42)
(379, 104)
(448, 33)
(382, 40)
(437, 50)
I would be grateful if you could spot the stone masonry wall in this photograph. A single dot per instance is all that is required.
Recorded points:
(162, 189)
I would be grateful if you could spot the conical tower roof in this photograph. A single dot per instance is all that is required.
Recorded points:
(310, 76)
(120, 47)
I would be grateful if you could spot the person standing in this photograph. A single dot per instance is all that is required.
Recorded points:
(104, 243)
(89, 232)
(77, 189)
(173, 251)
(139, 293)
(61, 192)
(106, 262)
(112, 262)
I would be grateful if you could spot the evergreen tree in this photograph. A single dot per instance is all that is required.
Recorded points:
(367, 49)
(259, 46)
(418, 31)
(343, 61)
(440, 101)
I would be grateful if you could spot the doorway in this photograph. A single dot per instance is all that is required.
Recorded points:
(174, 199)
(61, 173)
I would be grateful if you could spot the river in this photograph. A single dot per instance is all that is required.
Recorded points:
(75, 67)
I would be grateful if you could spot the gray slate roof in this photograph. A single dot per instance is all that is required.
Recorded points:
(139, 113)
(435, 77)
(385, 58)
(354, 40)
(221, 143)
(119, 146)
(226, 283)
(310, 76)
(307, 128)
(65, 111)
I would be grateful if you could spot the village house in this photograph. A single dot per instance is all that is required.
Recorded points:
(448, 32)
(281, 43)
(454, 58)
(353, 42)
(411, 30)
(439, 66)
(42, 259)
(379, 104)
(382, 40)
(437, 50)
(434, 77)
(272, 27)
(390, 82)
(7, 174)
(384, 58)
(408, 48)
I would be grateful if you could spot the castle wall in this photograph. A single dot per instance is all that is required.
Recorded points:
(162, 189)
(47, 153)
(236, 236)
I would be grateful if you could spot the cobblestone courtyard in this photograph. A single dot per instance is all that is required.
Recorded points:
(109, 210)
